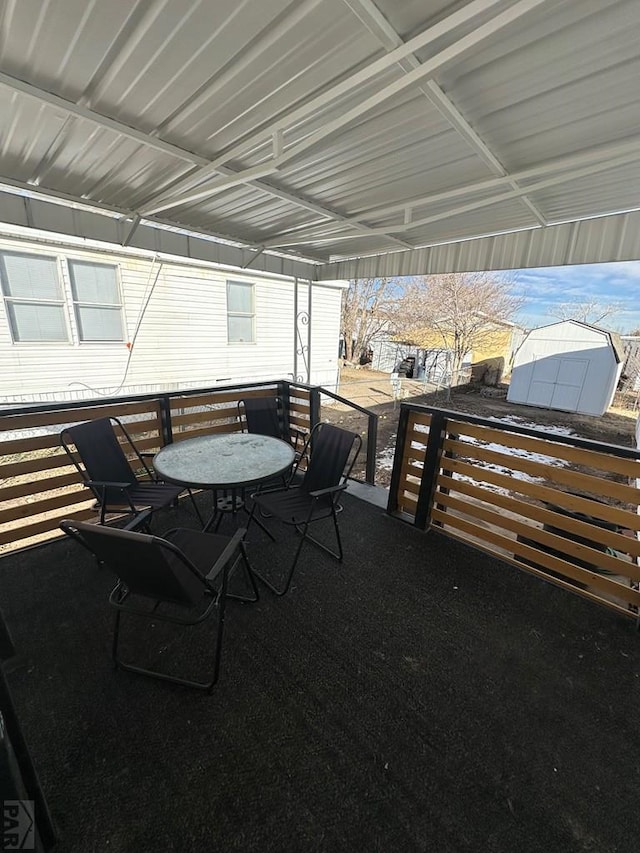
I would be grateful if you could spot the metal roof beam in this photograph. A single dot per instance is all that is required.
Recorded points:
(466, 208)
(503, 19)
(629, 150)
(578, 165)
(178, 195)
(510, 194)
(373, 19)
(310, 107)
(235, 178)
(80, 111)
(232, 180)
(379, 26)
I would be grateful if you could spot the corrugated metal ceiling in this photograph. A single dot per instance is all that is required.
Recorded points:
(330, 129)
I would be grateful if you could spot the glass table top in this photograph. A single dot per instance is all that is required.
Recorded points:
(225, 460)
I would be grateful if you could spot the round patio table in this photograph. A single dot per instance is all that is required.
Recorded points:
(227, 462)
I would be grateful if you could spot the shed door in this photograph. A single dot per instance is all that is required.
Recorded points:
(557, 382)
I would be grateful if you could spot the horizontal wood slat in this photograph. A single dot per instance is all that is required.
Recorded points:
(33, 466)
(50, 524)
(296, 393)
(27, 510)
(606, 512)
(583, 529)
(301, 408)
(419, 438)
(621, 610)
(505, 544)
(564, 476)
(551, 447)
(209, 398)
(304, 425)
(209, 416)
(21, 490)
(407, 503)
(71, 416)
(568, 547)
(419, 418)
(196, 432)
(29, 445)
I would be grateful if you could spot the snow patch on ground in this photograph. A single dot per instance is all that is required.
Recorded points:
(385, 457)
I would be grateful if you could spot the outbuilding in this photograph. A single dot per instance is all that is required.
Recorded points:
(569, 366)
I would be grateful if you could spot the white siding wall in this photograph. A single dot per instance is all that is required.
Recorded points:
(176, 318)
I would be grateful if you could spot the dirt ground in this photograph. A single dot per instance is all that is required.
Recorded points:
(373, 390)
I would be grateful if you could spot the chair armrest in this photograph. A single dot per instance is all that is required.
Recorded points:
(140, 520)
(232, 546)
(272, 490)
(107, 484)
(328, 491)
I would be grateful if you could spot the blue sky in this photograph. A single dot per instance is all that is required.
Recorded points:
(616, 283)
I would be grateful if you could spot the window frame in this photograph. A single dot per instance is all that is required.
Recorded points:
(8, 299)
(242, 314)
(77, 304)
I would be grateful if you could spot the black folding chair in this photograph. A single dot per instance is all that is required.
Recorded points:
(99, 458)
(266, 416)
(180, 578)
(333, 452)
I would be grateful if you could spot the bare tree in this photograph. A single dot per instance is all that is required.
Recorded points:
(366, 310)
(461, 311)
(591, 311)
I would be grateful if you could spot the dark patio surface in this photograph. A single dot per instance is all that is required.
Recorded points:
(421, 697)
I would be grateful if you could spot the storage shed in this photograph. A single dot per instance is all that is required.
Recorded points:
(570, 366)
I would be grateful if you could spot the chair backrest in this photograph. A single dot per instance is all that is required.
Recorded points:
(100, 452)
(333, 453)
(148, 565)
(264, 416)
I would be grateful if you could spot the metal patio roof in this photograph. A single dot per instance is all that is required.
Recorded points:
(360, 137)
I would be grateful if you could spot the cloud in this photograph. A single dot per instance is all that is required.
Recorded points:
(615, 283)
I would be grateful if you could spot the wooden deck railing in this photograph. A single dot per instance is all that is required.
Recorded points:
(39, 487)
(561, 507)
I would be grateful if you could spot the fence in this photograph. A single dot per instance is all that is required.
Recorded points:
(39, 487)
(561, 507)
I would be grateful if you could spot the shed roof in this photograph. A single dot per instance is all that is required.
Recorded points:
(356, 137)
(613, 338)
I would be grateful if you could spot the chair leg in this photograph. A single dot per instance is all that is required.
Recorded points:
(289, 577)
(249, 574)
(254, 517)
(222, 601)
(174, 679)
(338, 555)
(303, 530)
(195, 506)
(116, 635)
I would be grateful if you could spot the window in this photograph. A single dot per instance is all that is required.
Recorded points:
(33, 297)
(240, 312)
(96, 301)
